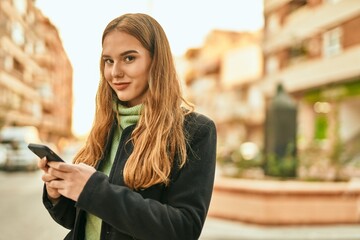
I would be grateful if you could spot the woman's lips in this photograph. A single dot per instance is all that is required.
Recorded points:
(121, 86)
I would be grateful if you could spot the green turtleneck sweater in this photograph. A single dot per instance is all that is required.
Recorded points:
(126, 117)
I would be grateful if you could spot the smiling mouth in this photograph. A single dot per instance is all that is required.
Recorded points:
(121, 86)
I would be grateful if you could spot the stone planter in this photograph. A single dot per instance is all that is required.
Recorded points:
(272, 202)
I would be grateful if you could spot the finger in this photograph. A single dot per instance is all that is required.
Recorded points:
(64, 167)
(52, 193)
(54, 164)
(57, 174)
(58, 184)
(42, 163)
(48, 177)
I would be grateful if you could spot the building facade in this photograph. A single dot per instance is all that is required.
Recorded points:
(313, 48)
(219, 80)
(35, 72)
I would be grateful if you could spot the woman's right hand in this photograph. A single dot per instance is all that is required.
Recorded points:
(52, 193)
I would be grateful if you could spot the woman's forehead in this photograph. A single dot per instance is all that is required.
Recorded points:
(121, 41)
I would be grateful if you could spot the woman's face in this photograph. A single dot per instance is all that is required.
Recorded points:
(127, 65)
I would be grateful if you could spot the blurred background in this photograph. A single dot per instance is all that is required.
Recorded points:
(280, 78)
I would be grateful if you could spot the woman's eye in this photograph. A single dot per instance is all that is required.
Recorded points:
(129, 59)
(108, 61)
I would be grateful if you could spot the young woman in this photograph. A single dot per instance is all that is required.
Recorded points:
(147, 168)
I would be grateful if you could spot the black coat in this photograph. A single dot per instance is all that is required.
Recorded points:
(177, 211)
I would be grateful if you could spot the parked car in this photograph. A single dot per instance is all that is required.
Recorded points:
(16, 140)
(3, 155)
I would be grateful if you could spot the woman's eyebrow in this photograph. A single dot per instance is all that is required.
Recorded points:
(128, 52)
(122, 54)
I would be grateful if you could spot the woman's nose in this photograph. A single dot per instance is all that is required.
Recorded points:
(116, 71)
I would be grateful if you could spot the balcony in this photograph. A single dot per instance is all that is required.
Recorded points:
(17, 86)
(21, 56)
(308, 22)
(315, 73)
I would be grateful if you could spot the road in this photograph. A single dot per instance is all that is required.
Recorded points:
(22, 215)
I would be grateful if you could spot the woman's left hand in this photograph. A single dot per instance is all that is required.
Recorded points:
(71, 178)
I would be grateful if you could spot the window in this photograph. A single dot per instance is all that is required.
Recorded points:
(46, 91)
(20, 6)
(332, 42)
(17, 33)
(40, 47)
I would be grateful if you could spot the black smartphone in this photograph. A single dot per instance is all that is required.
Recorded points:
(44, 151)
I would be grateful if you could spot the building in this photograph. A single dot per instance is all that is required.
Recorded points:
(219, 80)
(313, 48)
(35, 72)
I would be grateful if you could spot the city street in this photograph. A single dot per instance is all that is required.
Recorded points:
(24, 218)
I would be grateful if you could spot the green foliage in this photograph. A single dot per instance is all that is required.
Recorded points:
(240, 166)
(282, 167)
(321, 126)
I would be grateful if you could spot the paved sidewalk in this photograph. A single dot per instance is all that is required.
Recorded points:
(219, 229)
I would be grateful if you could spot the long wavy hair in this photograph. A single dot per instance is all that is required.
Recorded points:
(159, 134)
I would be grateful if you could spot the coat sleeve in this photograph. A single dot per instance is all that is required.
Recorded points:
(187, 198)
(63, 212)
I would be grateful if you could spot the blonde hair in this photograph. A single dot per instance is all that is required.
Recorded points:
(159, 134)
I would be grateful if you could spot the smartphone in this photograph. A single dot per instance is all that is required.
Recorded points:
(44, 151)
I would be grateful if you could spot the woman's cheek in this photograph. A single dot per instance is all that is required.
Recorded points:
(107, 75)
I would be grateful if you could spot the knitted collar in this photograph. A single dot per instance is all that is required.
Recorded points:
(127, 116)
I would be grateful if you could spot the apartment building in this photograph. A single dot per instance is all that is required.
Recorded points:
(35, 72)
(219, 78)
(313, 48)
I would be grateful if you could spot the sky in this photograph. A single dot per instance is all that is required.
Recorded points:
(186, 22)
